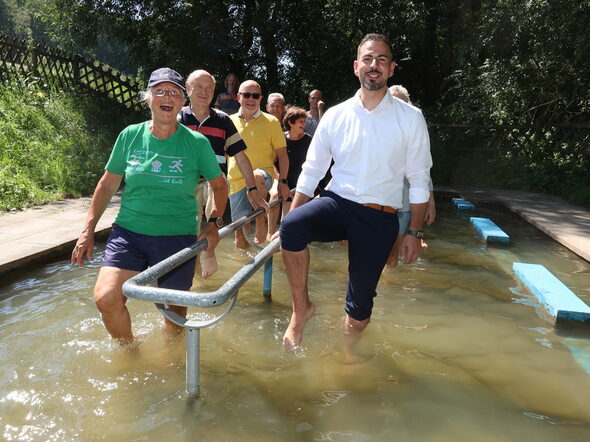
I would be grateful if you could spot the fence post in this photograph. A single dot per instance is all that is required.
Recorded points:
(34, 57)
(76, 63)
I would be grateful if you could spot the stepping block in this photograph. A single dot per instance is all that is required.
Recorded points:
(489, 231)
(463, 204)
(558, 300)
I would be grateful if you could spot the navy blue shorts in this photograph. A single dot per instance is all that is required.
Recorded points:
(370, 234)
(133, 251)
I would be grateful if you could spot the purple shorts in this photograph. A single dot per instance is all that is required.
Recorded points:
(134, 251)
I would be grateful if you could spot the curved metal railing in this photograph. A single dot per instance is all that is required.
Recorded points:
(140, 287)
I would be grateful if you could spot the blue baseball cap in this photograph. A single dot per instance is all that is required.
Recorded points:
(166, 75)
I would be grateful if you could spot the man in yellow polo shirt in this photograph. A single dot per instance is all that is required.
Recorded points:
(265, 142)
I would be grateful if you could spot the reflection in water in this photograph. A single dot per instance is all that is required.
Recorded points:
(456, 350)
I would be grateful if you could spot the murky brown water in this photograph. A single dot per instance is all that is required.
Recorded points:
(456, 351)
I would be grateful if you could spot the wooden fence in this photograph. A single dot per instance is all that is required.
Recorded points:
(65, 70)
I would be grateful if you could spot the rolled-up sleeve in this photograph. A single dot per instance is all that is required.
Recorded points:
(419, 161)
(317, 162)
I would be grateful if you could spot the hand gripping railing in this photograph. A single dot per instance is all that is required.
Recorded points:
(139, 287)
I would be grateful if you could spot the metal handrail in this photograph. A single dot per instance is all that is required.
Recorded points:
(138, 287)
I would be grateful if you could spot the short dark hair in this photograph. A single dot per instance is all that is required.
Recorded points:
(293, 114)
(375, 37)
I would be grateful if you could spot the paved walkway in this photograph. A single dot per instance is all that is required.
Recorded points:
(562, 221)
(41, 233)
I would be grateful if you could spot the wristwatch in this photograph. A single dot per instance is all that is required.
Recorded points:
(417, 233)
(283, 180)
(218, 221)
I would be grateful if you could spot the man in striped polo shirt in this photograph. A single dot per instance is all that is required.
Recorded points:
(225, 141)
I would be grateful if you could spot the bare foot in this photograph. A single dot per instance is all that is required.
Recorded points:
(294, 333)
(209, 264)
(241, 241)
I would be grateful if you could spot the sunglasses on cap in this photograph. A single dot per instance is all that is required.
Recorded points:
(254, 95)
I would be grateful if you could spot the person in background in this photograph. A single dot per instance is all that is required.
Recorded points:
(265, 141)
(315, 113)
(161, 161)
(228, 101)
(275, 105)
(225, 141)
(403, 214)
(375, 140)
(297, 145)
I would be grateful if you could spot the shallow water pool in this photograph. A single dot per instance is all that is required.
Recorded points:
(456, 351)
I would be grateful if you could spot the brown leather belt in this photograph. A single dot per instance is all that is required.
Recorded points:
(386, 209)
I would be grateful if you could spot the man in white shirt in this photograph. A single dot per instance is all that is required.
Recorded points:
(374, 140)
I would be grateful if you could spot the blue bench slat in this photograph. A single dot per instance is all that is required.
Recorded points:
(556, 298)
(489, 231)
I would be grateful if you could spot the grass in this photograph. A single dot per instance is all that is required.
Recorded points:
(53, 144)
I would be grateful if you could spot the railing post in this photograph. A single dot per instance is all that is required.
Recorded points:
(192, 362)
(267, 287)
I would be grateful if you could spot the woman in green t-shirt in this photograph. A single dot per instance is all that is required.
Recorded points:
(161, 162)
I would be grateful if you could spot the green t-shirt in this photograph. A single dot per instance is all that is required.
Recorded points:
(160, 179)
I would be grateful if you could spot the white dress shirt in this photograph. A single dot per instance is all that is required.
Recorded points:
(372, 152)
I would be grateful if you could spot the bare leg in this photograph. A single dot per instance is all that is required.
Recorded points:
(209, 266)
(394, 254)
(296, 266)
(261, 230)
(110, 301)
(241, 241)
(273, 217)
(352, 333)
(170, 327)
(286, 207)
(209, 263)
(273, 214)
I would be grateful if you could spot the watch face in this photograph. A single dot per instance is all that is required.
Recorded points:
(217, 221)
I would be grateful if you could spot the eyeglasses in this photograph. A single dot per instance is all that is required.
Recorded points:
(170, 92)
(254, 95)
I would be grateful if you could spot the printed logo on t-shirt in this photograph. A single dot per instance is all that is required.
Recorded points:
(156, 166)
(176, 166)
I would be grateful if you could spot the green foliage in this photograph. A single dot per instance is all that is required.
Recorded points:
(522, 64)
(52, 144)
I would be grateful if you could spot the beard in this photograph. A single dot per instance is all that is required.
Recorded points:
(373, 85)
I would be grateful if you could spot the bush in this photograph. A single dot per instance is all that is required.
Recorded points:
(53, 143)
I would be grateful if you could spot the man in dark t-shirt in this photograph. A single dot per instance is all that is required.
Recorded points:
(225, 141)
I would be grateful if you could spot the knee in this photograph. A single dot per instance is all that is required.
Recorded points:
(107, 299)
